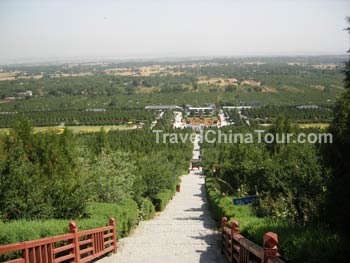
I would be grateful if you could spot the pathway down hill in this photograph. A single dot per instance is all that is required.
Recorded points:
(183, 233)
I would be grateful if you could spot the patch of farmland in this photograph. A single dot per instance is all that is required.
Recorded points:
(318, 87)
(251, 83)
(291, 89)
(218, 81)
(269, 90)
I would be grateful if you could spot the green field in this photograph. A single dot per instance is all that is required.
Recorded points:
(78, 129)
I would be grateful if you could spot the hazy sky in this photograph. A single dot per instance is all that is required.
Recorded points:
(64, 29)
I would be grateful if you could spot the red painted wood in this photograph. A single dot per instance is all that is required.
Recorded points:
(238, 249)
(82, 247)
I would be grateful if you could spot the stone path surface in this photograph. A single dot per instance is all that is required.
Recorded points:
(183, 233)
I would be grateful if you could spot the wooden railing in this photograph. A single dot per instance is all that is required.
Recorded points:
(78, 247)
(241, 250)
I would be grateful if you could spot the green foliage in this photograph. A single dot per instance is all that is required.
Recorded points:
(111, 176)
(302, 84)
(297, 243)
(147, 210)
(337, 158)
(288, 178)
(39, 176)
(219, 204)
(52, 175)
(125, 214)
(78, 117)
(162, 199)
(268, 114)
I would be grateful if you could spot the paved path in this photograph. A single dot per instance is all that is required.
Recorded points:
(182, 233)
(178, 120)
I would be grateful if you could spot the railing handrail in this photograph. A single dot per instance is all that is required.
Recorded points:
(239, 249)
(36, 242)
(80, 247)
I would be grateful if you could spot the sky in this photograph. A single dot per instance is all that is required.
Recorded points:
(121, 29)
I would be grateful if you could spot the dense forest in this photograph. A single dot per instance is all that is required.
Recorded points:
(82, 117)
(269, 114)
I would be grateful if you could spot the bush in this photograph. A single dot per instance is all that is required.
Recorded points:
(147, 209)
(297, 243)
(162, 199)
(219, 205)
(125, 214)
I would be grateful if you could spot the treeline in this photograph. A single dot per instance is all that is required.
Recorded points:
(268, 114)
(293, 187)
(233, 116)
(93, 85)
(45, 176)
(79, 117)
(288, 178)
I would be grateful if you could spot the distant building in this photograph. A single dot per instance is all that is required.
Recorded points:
(303, 107)
(96, 110)
(27, 93)
(250, 103)
(163, 107)
(197, 111)
(236, 107)
(8, 112)
(9, 98)
(210, 108)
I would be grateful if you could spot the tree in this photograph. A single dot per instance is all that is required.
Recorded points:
(101, 141)
(112, 177)
(337, 158)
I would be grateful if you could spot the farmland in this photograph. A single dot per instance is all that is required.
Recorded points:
(73, 93)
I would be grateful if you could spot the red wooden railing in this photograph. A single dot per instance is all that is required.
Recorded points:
(78, 247)
(241, 250)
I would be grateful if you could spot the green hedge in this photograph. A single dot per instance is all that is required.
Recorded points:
(297, 243)
(219, 205)
(162, 199)
(125, 213)
(147, 210)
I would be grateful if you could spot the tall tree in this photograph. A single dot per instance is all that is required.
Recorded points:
(338, 159)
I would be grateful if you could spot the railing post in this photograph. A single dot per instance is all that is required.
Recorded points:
(234, 227)
(270, 245)
(234, 230)
(223, 236)
(114, 231)
(74, 230)
(223, 222)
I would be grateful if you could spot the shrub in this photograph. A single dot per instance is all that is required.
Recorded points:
(219, 205)
(125, 214)
(147, 209)
(298, 243)
(161, 199)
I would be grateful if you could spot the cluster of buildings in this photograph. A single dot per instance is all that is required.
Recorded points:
(19, 95)
(189, 109)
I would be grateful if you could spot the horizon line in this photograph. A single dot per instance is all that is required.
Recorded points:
(133, 58)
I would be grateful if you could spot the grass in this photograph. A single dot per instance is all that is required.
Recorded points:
(126, 215)
(77, 129)
(302, 125)
(313, 125)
